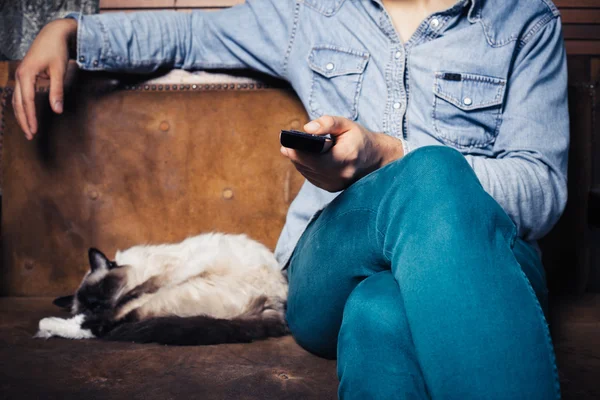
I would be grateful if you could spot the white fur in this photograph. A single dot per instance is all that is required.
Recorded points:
(210, 274)
(66, 328)
(194, 255)
(213, 274)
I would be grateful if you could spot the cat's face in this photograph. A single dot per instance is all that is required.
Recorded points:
(99, 288)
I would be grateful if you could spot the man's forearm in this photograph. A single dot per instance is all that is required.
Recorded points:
(532, 192)
(389, 148)
(226, 39)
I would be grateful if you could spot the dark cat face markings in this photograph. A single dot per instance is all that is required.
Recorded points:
(92, 284)
(99, 296)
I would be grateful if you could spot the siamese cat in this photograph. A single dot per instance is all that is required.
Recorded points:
(209, 289)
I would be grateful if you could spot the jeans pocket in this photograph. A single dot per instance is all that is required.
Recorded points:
(467, 109)
(337, 79)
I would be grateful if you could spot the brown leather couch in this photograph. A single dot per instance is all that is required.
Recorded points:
(131, 162)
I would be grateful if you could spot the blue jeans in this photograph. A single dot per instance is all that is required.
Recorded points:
(415, 279)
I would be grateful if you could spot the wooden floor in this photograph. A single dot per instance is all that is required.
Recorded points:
(576, 333)
(273, 369)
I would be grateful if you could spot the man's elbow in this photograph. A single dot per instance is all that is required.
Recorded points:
(546, 214)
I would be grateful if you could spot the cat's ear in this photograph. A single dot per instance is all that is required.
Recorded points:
(64, 302)
(98, 260)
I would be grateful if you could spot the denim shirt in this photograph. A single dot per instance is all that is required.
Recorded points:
(486, 77)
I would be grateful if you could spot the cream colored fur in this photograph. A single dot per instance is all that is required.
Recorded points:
(214, 274)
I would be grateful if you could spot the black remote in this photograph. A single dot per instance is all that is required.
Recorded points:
(305, 141)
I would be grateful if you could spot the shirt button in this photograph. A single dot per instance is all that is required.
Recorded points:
(81, 58)
(398, 54)
(95, 63)
(329, 66)
(434, 23)
(396, 106)
(467, 101)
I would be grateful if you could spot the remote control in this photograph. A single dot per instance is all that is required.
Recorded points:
(305, 141)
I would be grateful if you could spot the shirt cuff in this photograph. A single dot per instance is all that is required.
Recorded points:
(73, 15)
(92, 45)
(406, 147)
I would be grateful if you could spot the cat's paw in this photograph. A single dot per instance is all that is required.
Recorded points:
(66, 328)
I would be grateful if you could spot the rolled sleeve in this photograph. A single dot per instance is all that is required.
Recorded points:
(92, 42)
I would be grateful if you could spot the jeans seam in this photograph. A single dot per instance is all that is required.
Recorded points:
(368, 210)
(546, 328)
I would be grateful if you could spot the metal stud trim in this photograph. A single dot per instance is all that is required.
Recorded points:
(197, 87)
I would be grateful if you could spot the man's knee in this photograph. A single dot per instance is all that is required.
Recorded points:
(438, 164)
(437, 180)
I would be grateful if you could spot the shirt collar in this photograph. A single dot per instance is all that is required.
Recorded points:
(474, 7)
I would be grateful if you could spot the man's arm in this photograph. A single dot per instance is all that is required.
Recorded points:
(528, 175)
(255, 34)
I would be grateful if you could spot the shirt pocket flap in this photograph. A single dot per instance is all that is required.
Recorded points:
(469, 91)
(330, 61)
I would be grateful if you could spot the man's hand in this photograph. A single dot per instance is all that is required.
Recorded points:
(356, 153)
(47, 57)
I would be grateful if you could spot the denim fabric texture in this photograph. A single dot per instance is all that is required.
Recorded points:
(485, 77)
(423, 291)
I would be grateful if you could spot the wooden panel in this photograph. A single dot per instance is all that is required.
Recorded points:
(583, 31)
(577, 3)
(4, 67)
(582, 47)
(579, 16)
(594, 215)
(595, 69)
(123, 166)
(594, 209)
(575, 324)
(569, 248)
(566, 249)
(581, 26)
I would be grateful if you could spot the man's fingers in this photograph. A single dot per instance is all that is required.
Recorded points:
(317, 179)
(329, 124)
(57, 76)
(17, 103)
(28, 100)
(307, 170)
(312, 177)
(310, 161)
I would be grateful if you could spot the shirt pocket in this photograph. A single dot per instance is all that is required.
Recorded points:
(336, 81)
(467, 109)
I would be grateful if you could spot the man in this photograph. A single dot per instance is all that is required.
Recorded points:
(451, 129)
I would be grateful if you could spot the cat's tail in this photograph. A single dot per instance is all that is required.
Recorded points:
(261, 320)
(200, 330)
